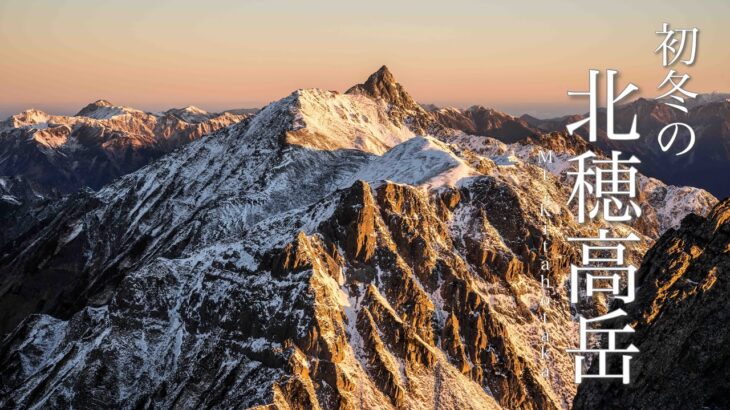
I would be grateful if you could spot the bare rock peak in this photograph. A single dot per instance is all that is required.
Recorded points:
(382, 84)
(384, 73)
(382, 78)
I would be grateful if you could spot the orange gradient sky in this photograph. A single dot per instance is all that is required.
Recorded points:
(520, 57)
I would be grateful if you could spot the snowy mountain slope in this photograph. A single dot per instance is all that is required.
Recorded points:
(419, 161)
(266, 172)
(270, 172)
(327, 120)
(664, 205)
(315, 255)
(216, 303)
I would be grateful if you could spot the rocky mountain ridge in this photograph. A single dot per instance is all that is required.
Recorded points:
(482, 121)
(319, 254)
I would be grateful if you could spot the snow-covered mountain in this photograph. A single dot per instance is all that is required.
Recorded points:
(333, 251)
(664, 206)
(45, 156)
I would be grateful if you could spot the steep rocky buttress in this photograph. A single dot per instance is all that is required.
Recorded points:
(680, 315)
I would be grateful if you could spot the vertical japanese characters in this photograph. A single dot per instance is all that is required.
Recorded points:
(605, 191)
(673, 49)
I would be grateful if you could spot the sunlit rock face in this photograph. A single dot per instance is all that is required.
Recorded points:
(323, 253)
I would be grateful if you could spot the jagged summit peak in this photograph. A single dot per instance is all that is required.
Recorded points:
(489, 110)
(91, 107)
(384, 73)
(29, 113)
(382, 85)
(30, 116)
(477, 107)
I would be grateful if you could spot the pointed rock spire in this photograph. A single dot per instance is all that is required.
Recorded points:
(382, 84)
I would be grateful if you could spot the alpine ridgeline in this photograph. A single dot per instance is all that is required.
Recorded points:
(334, 251)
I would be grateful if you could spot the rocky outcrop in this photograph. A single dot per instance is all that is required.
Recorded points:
(680, 316)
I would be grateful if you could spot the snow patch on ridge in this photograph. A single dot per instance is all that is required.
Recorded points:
(329, 120)
(418, 161)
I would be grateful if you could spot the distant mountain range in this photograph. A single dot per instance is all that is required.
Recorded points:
(331, 251)
(706, 166)
(479, 120)
(46, 156)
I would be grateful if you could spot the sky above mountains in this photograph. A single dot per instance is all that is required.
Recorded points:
(58, 56)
